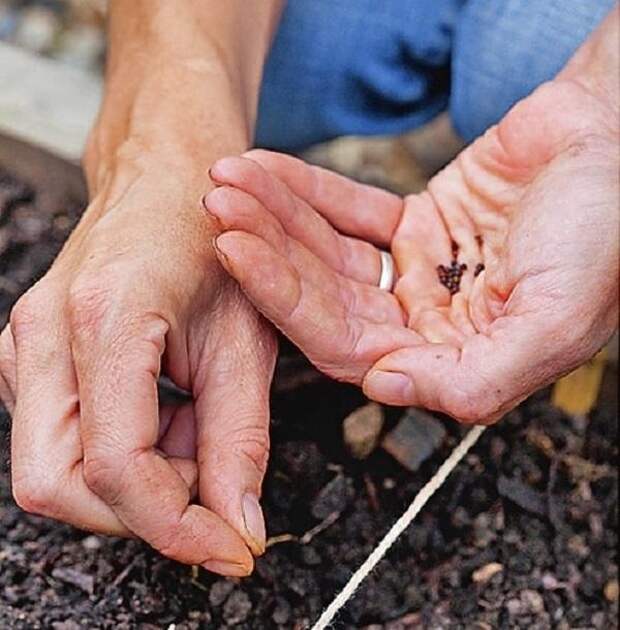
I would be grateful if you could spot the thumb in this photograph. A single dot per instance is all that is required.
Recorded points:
(480, 382)
(232, 411)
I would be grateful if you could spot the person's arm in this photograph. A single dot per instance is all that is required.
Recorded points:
(508, 262)
(595, 67)
(137, 290)
(182, 85)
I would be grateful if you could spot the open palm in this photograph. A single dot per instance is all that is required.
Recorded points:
(508, 262)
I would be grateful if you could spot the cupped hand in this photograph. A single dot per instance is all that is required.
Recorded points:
(508, 262)
(137, 292)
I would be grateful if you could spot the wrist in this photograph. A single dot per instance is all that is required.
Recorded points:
(595, 67)
(188, 133)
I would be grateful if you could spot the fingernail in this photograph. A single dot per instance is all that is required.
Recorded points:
(210, 171)
(229, 569)
(254, 522)
(215, 171)
(223, 258)
(205, 207)
(389, 387)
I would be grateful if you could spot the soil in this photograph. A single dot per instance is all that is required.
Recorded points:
(537, 495)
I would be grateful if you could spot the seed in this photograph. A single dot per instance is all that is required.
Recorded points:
(478, 270)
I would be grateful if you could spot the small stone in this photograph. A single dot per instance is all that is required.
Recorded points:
(611, 591)
(460, 517)
(219, 592)
(29, 224)
(361, 430)
(282, 612)
(75, 578)
(549, 582)
(310, 556)
(333, 497)
(577, 546)
(237, 608)
(522, 495)
(485, 573)
(532, 601)
(414, 439)
(92, 543)
(596, 526)
(514, 607)
(408, 622)
(68, 624)
(484, 534)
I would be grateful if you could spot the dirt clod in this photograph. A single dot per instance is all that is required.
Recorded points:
(237, 608)
(414, 439)
(361, 429)
(485, 573)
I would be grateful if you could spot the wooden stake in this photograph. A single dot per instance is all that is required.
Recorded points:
(577, 393)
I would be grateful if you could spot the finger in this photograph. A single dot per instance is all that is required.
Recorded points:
(177, 434)
(233, 429)
(435, 326)
(359, 210)
(478, 383)
(119, 418)
(348, 256)
(188, 471)
(453, 197)
(46, 452)
(238, 211)
(336, 340)
(460, 316)
(178, 442)
(8, 374)
(420, 245)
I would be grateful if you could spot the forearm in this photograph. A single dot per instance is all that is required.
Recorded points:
(182, 85)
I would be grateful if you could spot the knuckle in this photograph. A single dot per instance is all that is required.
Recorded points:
(35, 493)
(167, 542)
(28, 312)
(88, 303)
(103, 478)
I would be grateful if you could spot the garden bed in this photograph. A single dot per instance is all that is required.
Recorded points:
(522, 535)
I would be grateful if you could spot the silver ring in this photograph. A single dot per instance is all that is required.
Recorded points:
(386, 279)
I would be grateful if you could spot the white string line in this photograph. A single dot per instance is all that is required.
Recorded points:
(399, 527)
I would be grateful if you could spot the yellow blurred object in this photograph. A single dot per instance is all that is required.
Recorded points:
(577, 392)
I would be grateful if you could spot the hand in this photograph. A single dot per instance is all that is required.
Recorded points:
(137, 290)
(530, 209)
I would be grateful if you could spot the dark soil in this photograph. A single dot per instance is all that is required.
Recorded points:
(538, 494)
